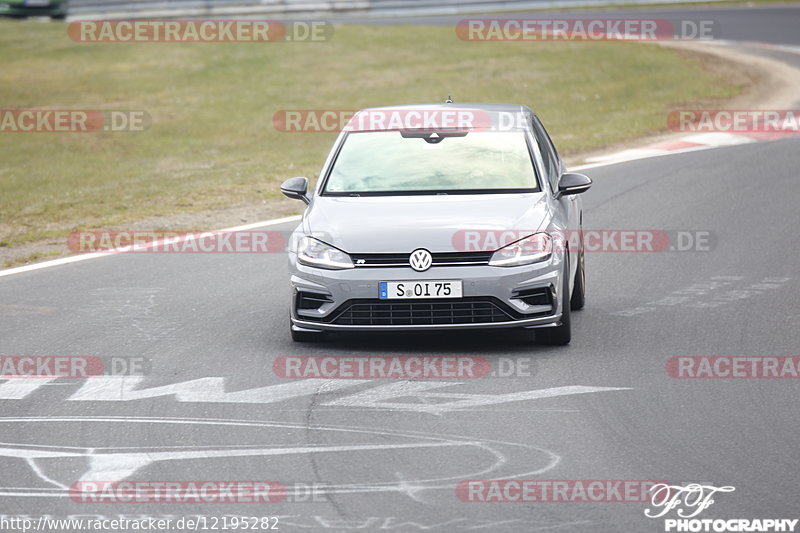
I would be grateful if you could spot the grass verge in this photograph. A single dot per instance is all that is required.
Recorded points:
(212, 144)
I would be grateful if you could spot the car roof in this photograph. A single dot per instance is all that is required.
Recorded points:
(491, 108)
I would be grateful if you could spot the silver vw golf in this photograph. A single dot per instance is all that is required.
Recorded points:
(439, 216)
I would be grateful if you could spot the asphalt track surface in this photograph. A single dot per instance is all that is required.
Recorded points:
(386, 456)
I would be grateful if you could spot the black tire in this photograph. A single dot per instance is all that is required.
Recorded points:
(578, 299)
(559, 335)
(306, 336)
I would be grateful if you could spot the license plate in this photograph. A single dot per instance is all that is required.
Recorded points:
(37, 3)
(392, 290)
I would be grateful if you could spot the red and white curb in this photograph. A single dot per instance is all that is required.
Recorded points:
(697, 141)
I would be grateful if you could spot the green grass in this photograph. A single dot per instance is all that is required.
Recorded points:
(212, 143)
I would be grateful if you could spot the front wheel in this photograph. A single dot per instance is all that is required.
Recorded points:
(559, 335)
(578, 299)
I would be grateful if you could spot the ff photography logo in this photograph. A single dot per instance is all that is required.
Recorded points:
(691, 500)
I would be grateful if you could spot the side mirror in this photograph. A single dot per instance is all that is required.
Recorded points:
(296, 188)
(573, 183)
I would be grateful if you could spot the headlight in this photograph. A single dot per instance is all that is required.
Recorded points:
(316, 253)
(533, 249)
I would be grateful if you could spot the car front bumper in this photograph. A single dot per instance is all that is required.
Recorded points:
(347, 300)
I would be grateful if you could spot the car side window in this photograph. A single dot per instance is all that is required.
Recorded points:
(552, 161)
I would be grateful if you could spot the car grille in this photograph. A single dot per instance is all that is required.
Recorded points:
(439, 259)
(471, 310)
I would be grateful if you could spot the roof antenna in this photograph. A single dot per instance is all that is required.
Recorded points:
(449, 100)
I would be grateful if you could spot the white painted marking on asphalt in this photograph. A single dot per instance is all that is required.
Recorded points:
(377, 396)
(115, 466)
(38, 471)
(121, 465)
(203, 390)
(19, 388)
(112, 252)
(118, 466)
(421, 440)
(212, 390)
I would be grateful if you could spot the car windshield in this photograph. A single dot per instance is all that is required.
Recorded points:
(394, 162)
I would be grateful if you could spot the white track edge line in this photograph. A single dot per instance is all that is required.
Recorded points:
(109, 253)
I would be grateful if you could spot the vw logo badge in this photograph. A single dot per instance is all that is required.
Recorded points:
(420, 260)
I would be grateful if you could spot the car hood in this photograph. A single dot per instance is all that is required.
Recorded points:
(399, 224)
